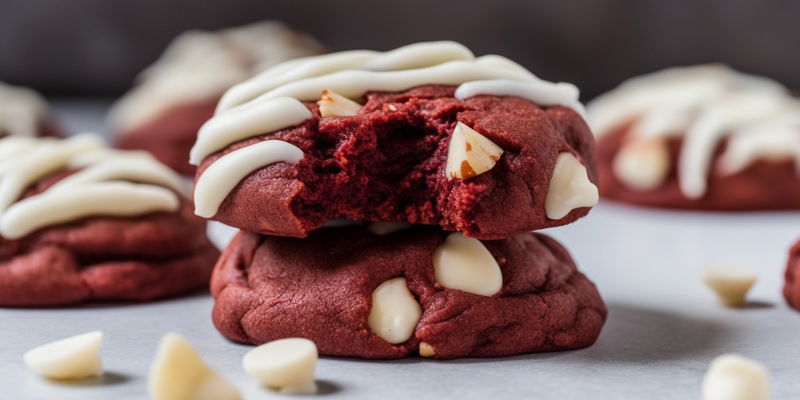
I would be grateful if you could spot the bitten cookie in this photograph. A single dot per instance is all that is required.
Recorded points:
(80, 222)
(703, 137)
(24, 113)
(178, 93)
(436, 137)
(379, 292)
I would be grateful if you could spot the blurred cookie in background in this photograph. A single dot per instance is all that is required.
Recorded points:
(25, 113)
(174, 96)
(703, 137)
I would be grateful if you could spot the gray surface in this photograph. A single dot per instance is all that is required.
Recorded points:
(664, 326)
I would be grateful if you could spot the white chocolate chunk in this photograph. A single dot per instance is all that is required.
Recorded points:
(384, 228)
(733, 377)
(334, 104)
(178, 373)
(426, 350)
(642, 164)
(730, 283)
(470, 153)
(570, 187)
(395, 312)
(75, 357)
(286, 365)
(464, 263)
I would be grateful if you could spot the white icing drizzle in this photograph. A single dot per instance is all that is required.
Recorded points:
(224, 174)
(247, 121)
(541, 92)
(21, 111)
(273, 100)
(198, 66)
(705, 104)
(111, 182)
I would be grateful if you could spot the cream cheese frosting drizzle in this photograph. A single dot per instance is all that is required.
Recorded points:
(273, 100)
(199, 65)
(706, 105)
(21, 111)
(110, 183)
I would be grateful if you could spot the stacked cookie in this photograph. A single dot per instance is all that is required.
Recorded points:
(385, 202)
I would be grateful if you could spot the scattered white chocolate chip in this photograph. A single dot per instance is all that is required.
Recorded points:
(178, 373)
(731, 283)
(383, 228)
(392, 107)
(570, 187)
(426, 350)
(733, 377)
(286, 365)
(334, 104)
(642, 164)
(470, 153)
(75, 357)
(464, 263)
(395, 312)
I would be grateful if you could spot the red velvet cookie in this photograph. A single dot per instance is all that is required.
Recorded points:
(358, 293)
(170, 136)
(107, 259)
(389, 163)
(80, 222)
(791, 287)
(25, 113)
(425, 134)
(703, 137)
(763, 185)
(178, 93)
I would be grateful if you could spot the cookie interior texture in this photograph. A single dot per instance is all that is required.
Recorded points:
(388, 163)
(105, 258)
(764, 185)
(320, 288)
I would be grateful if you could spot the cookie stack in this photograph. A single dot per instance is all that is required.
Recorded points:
(386, 202)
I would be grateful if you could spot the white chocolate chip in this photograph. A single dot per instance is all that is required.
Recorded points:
(395, 312)
(383, 228)
(570, 187)
(643, 164)
(334, 104)
(730, 283)
(178, 373)
(75, 357)
(286, 365)
(733, 377)
(426, 350)
(470, 153)
(464, 263)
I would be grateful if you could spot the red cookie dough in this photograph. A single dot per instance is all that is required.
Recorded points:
(320, 288)
(764, 185)
(106, 259)
(791, 287)
(170, 136)
(388, 163)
